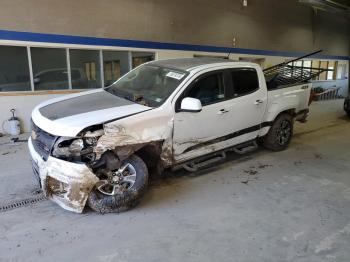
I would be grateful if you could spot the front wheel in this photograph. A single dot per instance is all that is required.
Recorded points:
(280, 133)
(122, 189)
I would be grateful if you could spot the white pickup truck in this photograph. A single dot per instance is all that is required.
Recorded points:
(98, 147)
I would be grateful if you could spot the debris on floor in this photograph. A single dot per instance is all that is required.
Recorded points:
(252, 173)
(318, 156)
(17, 140)
(297, 163)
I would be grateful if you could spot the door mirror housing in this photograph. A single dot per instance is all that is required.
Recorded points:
(189, 104)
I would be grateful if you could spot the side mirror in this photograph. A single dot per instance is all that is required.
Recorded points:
(189, 104)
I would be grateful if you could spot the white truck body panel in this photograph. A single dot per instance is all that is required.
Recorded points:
(127, 126)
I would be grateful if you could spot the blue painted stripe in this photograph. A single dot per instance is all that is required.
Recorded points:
(96, 41)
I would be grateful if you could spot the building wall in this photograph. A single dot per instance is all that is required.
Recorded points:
(265, 24)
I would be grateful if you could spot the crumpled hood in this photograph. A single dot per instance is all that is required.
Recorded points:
(68, 115)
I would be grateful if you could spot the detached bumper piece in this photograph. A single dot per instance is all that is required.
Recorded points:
(68, 184)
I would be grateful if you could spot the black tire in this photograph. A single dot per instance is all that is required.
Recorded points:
(126, 200)
(348, 113)
(280, 133)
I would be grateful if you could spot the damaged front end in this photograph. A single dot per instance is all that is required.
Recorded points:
(63, 166)
(68, 168)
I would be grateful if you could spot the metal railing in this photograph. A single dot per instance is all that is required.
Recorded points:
(321, 94)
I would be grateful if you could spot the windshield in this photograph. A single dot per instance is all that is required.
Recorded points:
(149, 85)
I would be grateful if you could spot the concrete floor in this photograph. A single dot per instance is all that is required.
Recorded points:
(288, 206)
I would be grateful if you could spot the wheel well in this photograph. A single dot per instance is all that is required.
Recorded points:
(288, 111)
(150, 154)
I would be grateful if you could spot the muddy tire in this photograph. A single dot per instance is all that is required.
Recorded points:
(110, 202)
(280, 133)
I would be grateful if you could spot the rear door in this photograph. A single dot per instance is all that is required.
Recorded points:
(248, 103)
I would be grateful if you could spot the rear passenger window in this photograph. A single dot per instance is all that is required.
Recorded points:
(208, 89)
(244, 80)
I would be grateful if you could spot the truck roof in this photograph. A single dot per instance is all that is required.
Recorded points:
(186, 64)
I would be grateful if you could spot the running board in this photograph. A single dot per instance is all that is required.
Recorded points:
(204, 162)
(207, 160)
(245, 147)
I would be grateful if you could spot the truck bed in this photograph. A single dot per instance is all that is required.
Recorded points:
(295, 96)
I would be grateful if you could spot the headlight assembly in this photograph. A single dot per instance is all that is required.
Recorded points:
(77, 149)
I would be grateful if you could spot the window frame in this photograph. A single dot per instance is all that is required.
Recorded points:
(233, 86)
(317, 64)
(34, 73)
(225, 84)
(67, 49)
(26, 66)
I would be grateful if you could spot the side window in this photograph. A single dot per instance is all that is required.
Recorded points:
(245, 81)
(208, 89)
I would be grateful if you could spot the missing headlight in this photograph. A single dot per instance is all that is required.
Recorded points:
(76, 146)
(78, 149)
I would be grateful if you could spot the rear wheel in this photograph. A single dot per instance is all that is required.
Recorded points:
(280, 133)
(122, 189)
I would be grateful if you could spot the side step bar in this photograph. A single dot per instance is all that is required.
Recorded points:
(204, 162)
(245, 147)
(208, 160)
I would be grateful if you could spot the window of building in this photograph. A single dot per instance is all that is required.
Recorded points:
(315, 64)
(307, 65)
(208, 89)
(90, 70)
(86, 67)
(245, 81)
(331, 70)
(116, 64)
(323, 75)
(139, 58)
(49, 68)
(297, 67)
(111, 71)
(341, 71)
(14, 69)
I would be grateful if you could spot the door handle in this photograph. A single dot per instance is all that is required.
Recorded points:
(258, 102)
(222, 111)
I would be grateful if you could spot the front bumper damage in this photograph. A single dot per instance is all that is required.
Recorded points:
(68, 184)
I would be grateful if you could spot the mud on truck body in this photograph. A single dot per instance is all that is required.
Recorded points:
(98, 147)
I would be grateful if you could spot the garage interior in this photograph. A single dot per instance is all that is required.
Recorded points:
(292, 205)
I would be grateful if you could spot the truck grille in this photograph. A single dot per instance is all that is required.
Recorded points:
(42, 141)
(35, 168)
